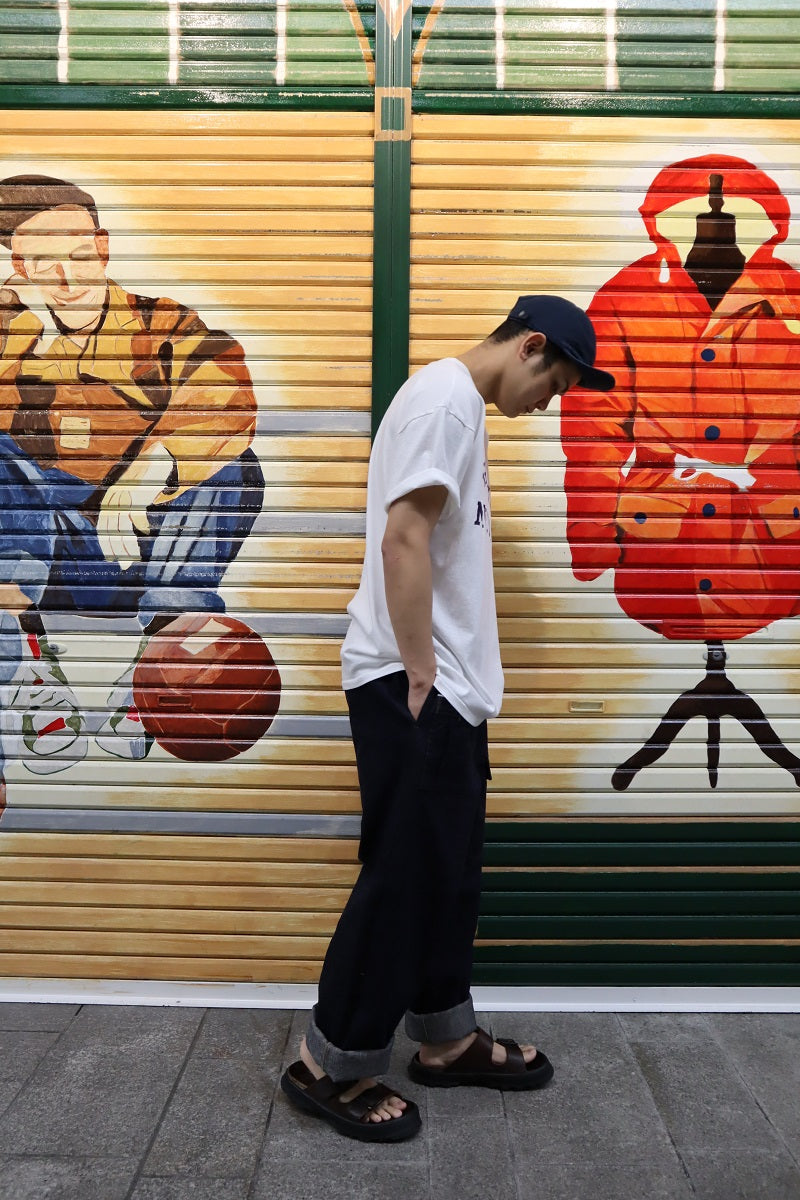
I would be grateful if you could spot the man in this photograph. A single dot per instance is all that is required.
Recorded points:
(421, 671)
(127, 481)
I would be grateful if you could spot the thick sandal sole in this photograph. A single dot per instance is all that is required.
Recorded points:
(398, 1129)
(505, 1081)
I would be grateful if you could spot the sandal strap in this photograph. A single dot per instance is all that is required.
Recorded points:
(366, 1101)
(327, 1092)
(515, 1060)
(478, 1057)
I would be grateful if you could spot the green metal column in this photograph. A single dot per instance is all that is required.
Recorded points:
(392, 203)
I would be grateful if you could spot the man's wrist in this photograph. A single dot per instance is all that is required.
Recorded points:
(419, 679)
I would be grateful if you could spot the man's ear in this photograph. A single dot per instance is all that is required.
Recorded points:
(18, 263)
(101, 242)
(532, 343)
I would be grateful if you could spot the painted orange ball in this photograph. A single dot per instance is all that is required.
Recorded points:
(206, 687)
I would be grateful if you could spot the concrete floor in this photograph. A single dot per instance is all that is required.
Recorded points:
(139, 1103)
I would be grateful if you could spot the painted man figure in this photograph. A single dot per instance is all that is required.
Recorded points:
(127, 481)
(422, 673)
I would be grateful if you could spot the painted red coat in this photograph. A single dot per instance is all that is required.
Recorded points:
(685, 478)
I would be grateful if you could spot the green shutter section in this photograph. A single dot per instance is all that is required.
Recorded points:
(692, 903)
(126, 39)
(29, 35)
(673, 47)
(227, 43)
(321, 46)
(544, 49)
(763, 46)
(660, 53)
(461, 51)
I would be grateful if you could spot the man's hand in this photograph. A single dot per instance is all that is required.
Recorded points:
(409, 592)
(417, 695)
(13, 599)
(123, 513)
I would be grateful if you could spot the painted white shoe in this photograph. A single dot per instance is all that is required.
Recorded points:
(42, 724)
(122, 733)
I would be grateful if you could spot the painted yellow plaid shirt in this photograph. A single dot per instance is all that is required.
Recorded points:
(151, 372)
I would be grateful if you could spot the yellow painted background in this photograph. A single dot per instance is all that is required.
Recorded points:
(503, 206)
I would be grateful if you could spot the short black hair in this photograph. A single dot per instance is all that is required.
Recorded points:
(23, 196)
(511, 329)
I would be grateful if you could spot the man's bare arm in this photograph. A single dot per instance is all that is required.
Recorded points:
(408, 583)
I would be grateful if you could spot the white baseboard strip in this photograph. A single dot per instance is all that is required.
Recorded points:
(486, 999)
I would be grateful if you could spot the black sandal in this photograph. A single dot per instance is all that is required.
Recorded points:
(320, 1097)
(474, 1068)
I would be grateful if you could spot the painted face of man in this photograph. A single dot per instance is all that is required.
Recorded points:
(530, 382)
(62, 254)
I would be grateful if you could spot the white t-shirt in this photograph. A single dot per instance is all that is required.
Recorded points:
(434, 432)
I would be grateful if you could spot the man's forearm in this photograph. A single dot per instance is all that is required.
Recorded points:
(409, 598)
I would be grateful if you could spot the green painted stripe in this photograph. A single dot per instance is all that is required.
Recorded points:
(336, 99)
(541, 974)
(544, 882)
(215, 23)
(643, 952)
(227, 49)
(589, 104)
(643, 901)
(132, 22)
(641, 854)
(655, 926)
(646, 831)
(44, 20)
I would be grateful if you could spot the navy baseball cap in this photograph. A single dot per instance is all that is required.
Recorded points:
(569, 328)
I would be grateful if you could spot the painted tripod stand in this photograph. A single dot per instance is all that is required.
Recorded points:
(712, 698)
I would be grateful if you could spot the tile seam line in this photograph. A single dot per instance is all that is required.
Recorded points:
(635, 1059)
(62, 1033)
(732, 1059)
(250, 1194)
(176, 1083)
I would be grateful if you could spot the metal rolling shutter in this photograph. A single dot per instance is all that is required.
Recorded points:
(636, 46)
(668, 881)
(263, 222)
(184, 42)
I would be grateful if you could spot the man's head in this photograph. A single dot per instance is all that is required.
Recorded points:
(544, 346)
(56, 244)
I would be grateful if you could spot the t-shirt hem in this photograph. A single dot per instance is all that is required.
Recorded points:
(367, 676)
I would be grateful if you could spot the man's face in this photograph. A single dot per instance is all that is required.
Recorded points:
(528, 383)
(62, 254)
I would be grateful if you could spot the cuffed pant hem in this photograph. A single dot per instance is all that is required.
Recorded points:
(345, 1064)
(446, 1026)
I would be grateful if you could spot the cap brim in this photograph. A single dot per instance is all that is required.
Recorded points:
(595, 380)
(591, 378)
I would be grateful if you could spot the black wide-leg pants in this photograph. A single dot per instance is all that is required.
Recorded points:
(403, 944)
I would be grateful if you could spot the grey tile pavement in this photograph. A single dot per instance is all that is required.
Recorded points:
(127, 1103)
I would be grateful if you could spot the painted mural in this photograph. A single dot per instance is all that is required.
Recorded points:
(129, 484)
(182, 465)
(685, 481)
(645, 540)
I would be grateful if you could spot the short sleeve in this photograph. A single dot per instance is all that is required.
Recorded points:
(432, 448)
